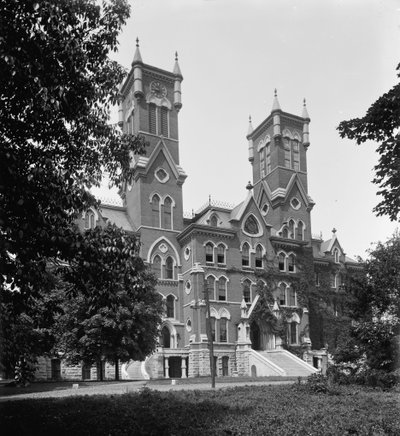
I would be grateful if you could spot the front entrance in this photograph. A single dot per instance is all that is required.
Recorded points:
(175, 367)
(261, 338)
(255, 336)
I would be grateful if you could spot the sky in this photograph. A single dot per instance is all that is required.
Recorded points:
(340, 55)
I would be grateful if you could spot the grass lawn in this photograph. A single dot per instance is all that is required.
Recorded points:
(261, 410)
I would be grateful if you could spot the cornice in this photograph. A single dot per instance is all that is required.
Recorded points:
(285, 242)
(200, 229)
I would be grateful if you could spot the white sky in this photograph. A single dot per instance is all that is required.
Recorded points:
(340, 55)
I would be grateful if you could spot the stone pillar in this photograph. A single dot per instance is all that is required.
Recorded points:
(183, 367)
(166, 361)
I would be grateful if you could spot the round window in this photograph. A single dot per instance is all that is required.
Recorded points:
(295, 203)
(186, 253)
(161, 175)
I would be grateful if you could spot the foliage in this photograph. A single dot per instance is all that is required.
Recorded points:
(251, 410)
(381, 123)
(112, 310)
(57, 85)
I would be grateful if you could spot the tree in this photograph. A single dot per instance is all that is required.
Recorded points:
(376, 310)
(57, 85)
(381, 123)
(112, 311)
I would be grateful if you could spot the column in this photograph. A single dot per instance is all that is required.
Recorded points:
(166, 361)
(183, 367)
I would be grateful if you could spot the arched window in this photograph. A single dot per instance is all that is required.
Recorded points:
(296, 155)
(292, 336)
(291, 229)
(225, 365)
(90, 220)
(156, 267)
(268, 158)
(333, 280)
(262, 162)
(223, 331)
(209, 252)
(291, 296)
(286, 143)
(170, 306)
(300, 230)
(221, 254)
(165, 337)
(214, 221)
(292, 263)
(251, 225)
(282, 261)
(169, 268)
(152, 118)
(259, 256)
(247, 291)
(246, 254)
(212, 322)
(167, 213)
(164, 122)
(336, 255)
(222, 289)
(211, 287)
(282, 294)
(285, 233)
(155, 211)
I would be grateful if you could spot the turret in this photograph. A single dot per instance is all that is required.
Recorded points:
(177, 84)
(276, 109)
(251, 146)
(306, 136)
(137, 73)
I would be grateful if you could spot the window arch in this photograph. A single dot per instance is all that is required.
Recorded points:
(152, 118)
(262, 162)
(155, 210)
(300, 230)
(211, 287)
(251, 226)
(167, 213)
(164, 121)
(221, 254)
(169, 268)
(282, 294)
(165, 337)
(210, 252)
(222, 282)
(214, 221)
(291, 229)
(223, 330)
(268, 158)
(156, 266)
(285, 233)
(247, 290)
(291, 296)
(90, 219)
(170, 306)
(291, 263)
(259, 256)
(292, 332)
(246, 254)
(336, 255)
(282, 261)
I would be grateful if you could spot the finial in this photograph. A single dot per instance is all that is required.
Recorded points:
(305, 112)
(304, 102)
(275, 93)
(209, 200)
(275, 105)
(176, 55)
(334, 230)
(249, 186)
(137, 42)
(249, 118)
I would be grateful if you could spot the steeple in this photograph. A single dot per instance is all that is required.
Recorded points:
(137, 73)
(251, 147)
(177, 84)
(306, 135)
(276, 109)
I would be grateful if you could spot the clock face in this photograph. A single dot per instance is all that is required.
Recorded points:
(158, 89)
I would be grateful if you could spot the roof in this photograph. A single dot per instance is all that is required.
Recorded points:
(117, 216)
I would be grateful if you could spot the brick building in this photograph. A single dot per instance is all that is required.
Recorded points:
(228, 248)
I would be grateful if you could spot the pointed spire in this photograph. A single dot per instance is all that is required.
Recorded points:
(305, 112)
(177, 70)
(138, 57)
(275, 105)
(250, 130)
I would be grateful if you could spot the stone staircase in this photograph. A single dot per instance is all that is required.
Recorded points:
(134, 370)
(289, 363)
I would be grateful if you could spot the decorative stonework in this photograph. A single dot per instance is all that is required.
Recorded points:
(163, 248)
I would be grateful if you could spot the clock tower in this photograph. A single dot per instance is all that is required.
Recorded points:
(150, 103)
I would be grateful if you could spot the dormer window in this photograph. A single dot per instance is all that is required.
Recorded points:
(90, 220)
(214, 221)
(251, 225)
(336, 255)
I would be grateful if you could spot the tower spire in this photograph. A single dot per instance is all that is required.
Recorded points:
(275, 105)
(177, 84)
(305, 112)
(138, 57)
(177, 70)
(306, 134)
(249, 138)
(276, 109)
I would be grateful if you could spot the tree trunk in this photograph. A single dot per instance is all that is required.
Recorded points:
(116, 362)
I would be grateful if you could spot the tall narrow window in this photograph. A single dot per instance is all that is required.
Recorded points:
(222, 289)
(170, 306)
(152, 118)
(292, 263)
(259, 257)
(90, 220)
(212, 322)
(221, 254)
(291, 229)
(293, 332)
(169, 268)
(317, 279)
(167, 213)
(336, 255)
(209, 252)
(286, 144)
(156, 267)
(333, 280)
(300, 231)
(282, 261)
(262, 162)
(223, 336)
(155, 211)
(285, 232)
(282, 294)
(165, 337)
(291, 296)
(296, 156)
(246, 254)
(268, 158)
(211, 287)
(247, 291)
(164, 122)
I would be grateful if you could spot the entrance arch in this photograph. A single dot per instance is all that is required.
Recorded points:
(255, 336)
(165, 337)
